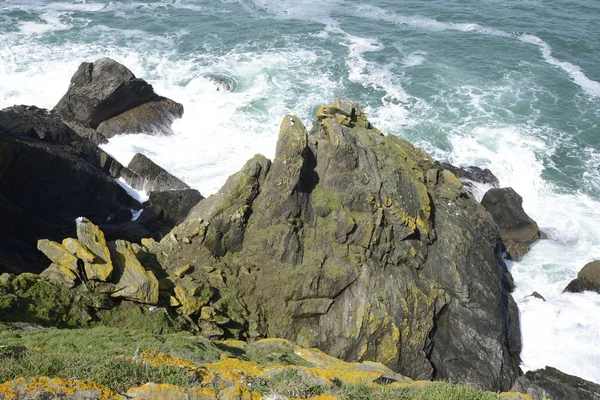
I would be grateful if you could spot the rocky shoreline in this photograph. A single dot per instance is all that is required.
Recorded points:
(349, 241)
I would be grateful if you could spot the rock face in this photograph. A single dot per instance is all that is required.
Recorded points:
(587, 279)
(105, 96)
(550, 383)
(517, 229)
(48, 177)
(356, 243)
(151, 177)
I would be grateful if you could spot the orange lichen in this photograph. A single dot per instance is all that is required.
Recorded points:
(31, 386)
(158, 359)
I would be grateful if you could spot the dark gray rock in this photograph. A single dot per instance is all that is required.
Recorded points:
(587, 279)
(154, 116)
(101, 90)
(149, 176)
(105, 99)
(48, 177)
(517, 229)
(470, 174)
(172, 206)
(222, 83)
(550, 383)
(359, 244)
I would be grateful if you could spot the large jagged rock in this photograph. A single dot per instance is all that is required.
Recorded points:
(587, 279)
(48, 177)
(154, 116)
(172, 206)
(135, 283)
(471, 175)
(517, 229)
(550, 383)
(152, 177)
(358, 244)
(93, 239)
(105, 96)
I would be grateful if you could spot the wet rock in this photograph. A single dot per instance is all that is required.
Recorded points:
(151, 177)
(473, 174)
(135, 283)
(222, 83)
(107, 97)
(587, 279)
(359, 244)
(154, 116)
(517, 229)
(536, 295)
(550, 383)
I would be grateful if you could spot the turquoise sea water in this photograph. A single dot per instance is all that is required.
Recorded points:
(513, 86)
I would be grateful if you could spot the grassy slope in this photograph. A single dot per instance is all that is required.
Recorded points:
(103, 355)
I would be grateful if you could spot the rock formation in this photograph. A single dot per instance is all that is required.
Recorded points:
(550, 383)
(587, 279)
(105, 99)
(350, 241)
(517, 229)
(356, 243)
(472, 174)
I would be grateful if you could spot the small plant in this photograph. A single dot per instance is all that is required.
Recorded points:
(290, 383)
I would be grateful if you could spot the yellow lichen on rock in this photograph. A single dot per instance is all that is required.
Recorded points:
(58, 254)
(136, 283)
(158, 359)
(44, 386)
(75, 247)
(93, 239)
(153, 391)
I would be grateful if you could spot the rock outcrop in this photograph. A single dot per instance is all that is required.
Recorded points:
(356, 243)
(49, 176)
(587, 279)
(105, 99)
(150, 177)
(350, 241)
(471, 175)
(550, 383)
(517, 229)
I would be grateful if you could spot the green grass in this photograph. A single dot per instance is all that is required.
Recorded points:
(102, 355)
(119, 374)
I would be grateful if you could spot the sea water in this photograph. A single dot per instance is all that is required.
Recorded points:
(513, 86)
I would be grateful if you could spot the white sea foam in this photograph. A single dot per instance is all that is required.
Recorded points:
(574, 71)
(577, 75)
(554, 332)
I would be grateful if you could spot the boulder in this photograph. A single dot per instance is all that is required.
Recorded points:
(151, 177)
(107, 97)
(359, 244)
(517, 229)
(471, 175)
(587, 279)
(58, 254)
(550, 383)
(172, 206)
(93, 239)
(154, 116)
(135, 283)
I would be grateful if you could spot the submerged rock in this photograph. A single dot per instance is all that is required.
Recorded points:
(587, 279)
(550, 383)
(107, 97)
(358, 244)
(517, 229)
